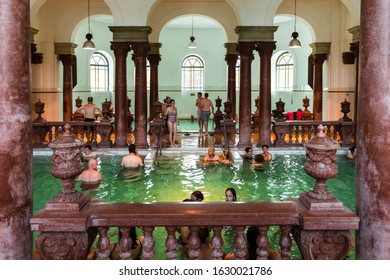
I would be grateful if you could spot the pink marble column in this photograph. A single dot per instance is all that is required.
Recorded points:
(265, 50)
(121, 50)
(67, 61)
(245, 50)
(140, 133)
(373, 141)
(154, 60)
(15, 124)
(318, 61)
(231, 58)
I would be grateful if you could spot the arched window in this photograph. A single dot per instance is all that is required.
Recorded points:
(284, 72)
(192, 73)
(99, 72)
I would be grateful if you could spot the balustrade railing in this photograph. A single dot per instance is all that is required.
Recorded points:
(296, 133)
(97, 218)
(94, 133)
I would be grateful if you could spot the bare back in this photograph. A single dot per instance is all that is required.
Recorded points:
(206, 104)
(132, 161)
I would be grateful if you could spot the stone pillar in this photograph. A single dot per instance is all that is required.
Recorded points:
(140, 107)
(354, 47)
(154, 58)
(265, 50)
(373, 143)
(231, 60)
(318, 56)
(65, 52)
(16, 145)
(246, 56)
(121, 50)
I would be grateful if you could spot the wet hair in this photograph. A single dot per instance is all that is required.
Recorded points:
(199, 195)
(266, 146)
(88, 147)
(259, 158)
(172, 100)
(247, 149)
(132, 149)
(226, 154)
(233, 191)
(90, 99)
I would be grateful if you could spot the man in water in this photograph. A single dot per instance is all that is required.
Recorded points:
(267, 156)
(133, 159)
(91, 177)
(211, 157)
(205, 106)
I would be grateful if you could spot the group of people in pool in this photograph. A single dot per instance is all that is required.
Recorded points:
(252, 233)
(259, 161)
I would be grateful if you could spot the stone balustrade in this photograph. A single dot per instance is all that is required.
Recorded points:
(97, 134)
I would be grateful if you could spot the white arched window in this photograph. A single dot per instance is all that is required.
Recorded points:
(284, 72)
(99, 72)
(192, 73)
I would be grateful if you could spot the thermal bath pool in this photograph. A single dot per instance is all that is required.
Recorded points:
(174, 178)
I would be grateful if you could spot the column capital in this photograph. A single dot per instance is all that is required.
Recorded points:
(67, 59)
(140, 49)
(320, 48)
(265, 48)
(255, 33)
(64, 48)
(231, 48)
(246, 48)
(120, 48)
(33, 32)
(130, 33)
(155, 48)
(318, 58)
(355, 31)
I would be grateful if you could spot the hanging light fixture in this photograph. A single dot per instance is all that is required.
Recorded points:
(192, 44)
(89, 45)
(295, 43)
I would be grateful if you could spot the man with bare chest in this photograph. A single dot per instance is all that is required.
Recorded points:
(205, 106)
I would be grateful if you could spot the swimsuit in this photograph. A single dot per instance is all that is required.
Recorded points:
(172, 116)
(205, 116)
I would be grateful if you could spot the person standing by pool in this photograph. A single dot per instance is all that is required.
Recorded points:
(133, 159)
(172, 119)
(205, 106)
(89, 110)
(267, 156)
(91, 177)
(199, 114)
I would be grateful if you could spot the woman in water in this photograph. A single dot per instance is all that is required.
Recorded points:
(172, 122)
(230, 195)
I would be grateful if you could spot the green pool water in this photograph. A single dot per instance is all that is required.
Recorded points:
(174, 178)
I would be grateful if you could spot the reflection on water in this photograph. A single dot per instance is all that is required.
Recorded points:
(174, 178)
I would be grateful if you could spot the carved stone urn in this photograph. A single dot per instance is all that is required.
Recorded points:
(67, 164)
(321, 165)
(39, 109)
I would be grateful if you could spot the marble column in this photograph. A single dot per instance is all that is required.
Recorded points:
(319, 54)
(15, 123)
(245, 49)
(140, 112)
(154, 59)
(65, 52)
(354, 47)
(373, 143)
(231, 58)
(121, 50)
(265, 50)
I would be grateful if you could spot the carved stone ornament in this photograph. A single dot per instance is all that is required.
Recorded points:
(67, 164)
(321, 163)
